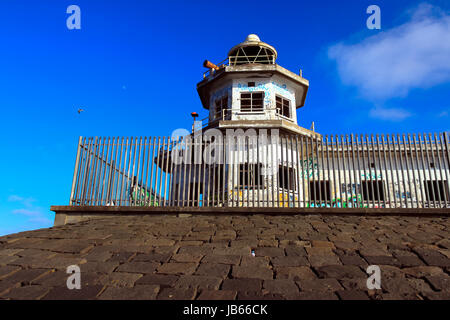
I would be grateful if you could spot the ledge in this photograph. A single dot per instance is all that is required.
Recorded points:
(71, 214)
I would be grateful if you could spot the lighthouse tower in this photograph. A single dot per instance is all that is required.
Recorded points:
(250, 90)
(247, 95)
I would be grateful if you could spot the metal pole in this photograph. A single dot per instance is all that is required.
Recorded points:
(75, 173)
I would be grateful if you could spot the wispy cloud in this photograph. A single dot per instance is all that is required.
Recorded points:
(27, 212)
(389, 114)
(28, 202)
(28, 209)
(395, 61)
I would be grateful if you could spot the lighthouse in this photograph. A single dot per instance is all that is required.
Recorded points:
(250, 90)
(240, 157)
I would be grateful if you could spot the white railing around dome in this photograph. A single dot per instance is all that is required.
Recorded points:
(336, 171)
(238, 60)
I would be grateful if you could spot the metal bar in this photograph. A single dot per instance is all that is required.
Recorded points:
(329, 188)
(138, 171)
(438, 195)
(318, 172)
(350, 170)
(192, 163)
(446, 164)
(214, 175)
(75, 171)
(273, 167)
(105, 175)
(79, 184)
(402, 170)
(292, 186)
(298, 158)
(278, 170)
(186, 156)
(407, 169)
(429, 171)
(152, 198)
(225, 179)
(93, 172)
(87, 172)
(375, 164)
(204, 178)
(116, 197)
(257, 175)
(208, 202)
(167, 156)
(426, 188)
(440, 171)
(113, 172)
(360, 175)
(355, 174)
(386, 178)
(422, 193)
(200, 172)
(338, 160)
(282, 169)
(335, 190)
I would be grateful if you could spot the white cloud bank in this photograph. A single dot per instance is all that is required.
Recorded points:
(413, 55)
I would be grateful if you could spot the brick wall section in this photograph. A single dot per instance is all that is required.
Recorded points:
(210, 257)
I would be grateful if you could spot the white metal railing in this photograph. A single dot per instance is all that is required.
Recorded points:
(346, 171)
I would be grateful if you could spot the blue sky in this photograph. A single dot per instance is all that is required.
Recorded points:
(134, 65)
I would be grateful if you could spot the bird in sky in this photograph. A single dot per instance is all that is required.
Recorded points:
(80, 110)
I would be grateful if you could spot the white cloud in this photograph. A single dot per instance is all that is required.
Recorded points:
(27, 212)
(28, 202)
(413, 55)
(33, 213)
(389, 114)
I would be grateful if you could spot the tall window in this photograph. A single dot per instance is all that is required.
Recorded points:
(250, 176)
(283, 106)
(286, 178)
(372, 190)
(436, 190)
(252, 101)
(220, 105)
(319, 190)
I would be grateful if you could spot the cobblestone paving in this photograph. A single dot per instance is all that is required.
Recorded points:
(210, 257)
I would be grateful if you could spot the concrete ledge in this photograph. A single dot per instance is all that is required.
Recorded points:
(72, 214)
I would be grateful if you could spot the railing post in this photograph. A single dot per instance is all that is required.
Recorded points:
(75, 172)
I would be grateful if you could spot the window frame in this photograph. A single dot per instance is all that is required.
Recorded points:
(221, 103)
(243, 175)
(251, 109)
(282, 178)
(283, 106)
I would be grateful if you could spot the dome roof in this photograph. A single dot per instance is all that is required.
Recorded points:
(252, 50)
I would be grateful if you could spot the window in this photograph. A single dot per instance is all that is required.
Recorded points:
(250, 176)
(252, 101)
(283, 106)
(372, 190)
(436, 190)
(286, 178)
(319, 190)
(251, 84)
(220, 105)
